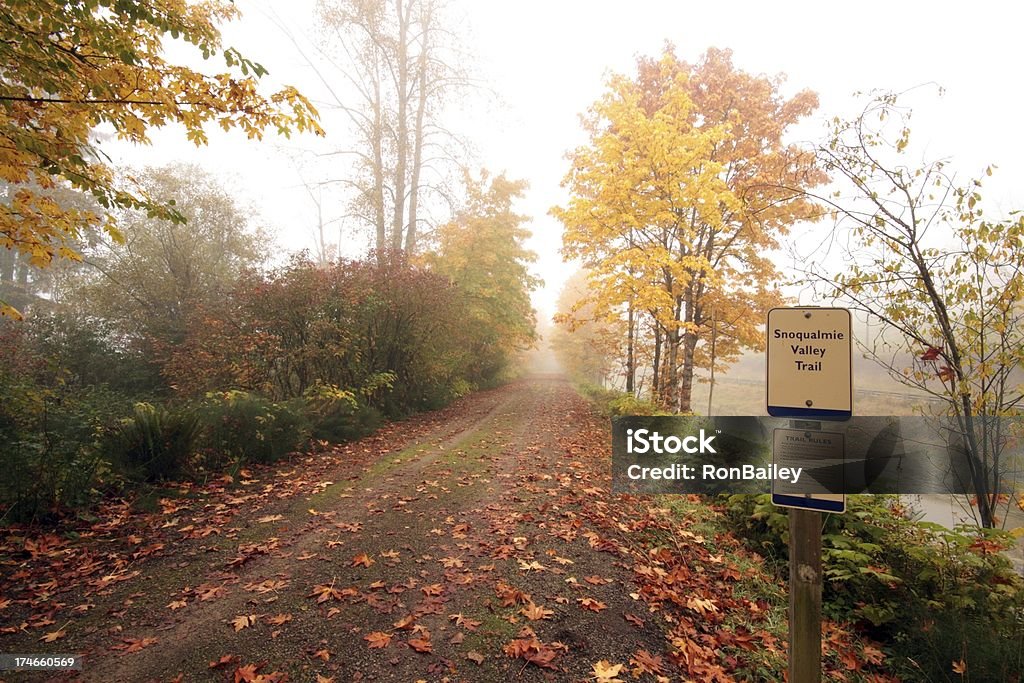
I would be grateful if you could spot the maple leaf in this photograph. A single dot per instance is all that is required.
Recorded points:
(592, 605)
(177, 604)
(324, 679)
(279, 619)
(531, 566)
(226, 660)
(421, 645)
(433, 589)
(535, 612)
(326, 593)
(405, 623)
(130, 645)
(208, 592)
(475, 656)
(464, 621)
(510, 596)
(606, 672)
(244, 621)
(323, 654)
(53, 636)
(451, 562)
(267, 586)
(645, 662)
(633, 619)
(596, 580)
(378, 639)
(960, 667)
(362, 559)
(267, 519)
(873, 655)
(701, 605)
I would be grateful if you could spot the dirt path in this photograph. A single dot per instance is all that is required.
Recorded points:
(449, 548)
(478, 543)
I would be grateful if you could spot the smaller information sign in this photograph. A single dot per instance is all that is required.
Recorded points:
(820, 456)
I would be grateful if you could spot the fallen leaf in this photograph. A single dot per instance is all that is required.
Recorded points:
(475, 656)
(378, 639)
(535, 612)
(361, 560)
(130, 645)
(421, 645)
(267, 519)
(279, 619)
(244, 621)
(53, 636)
(606, 672)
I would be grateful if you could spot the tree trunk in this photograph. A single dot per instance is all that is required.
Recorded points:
(686, 380)
(377, 143)
(402, 125)
(630, 360)
(656, 377)
(417, 152)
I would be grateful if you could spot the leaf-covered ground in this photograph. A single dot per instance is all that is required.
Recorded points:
(477, 543)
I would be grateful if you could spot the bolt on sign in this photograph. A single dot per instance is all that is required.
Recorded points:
(810, 363)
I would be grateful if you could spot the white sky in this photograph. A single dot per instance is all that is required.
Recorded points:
(546, 61)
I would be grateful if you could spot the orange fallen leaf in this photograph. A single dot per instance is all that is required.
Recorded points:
(362, 560)
(535, 612)
(606, 672)
(130, 645)
(279, 619)
(592, 604)
(421, 645)
(244, 621)
(378, 639)
(53, 636)
(266, 519)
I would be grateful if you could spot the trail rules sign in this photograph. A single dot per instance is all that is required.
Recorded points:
(810, 363)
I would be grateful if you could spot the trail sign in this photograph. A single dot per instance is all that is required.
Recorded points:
(820, 456)
(810, 363)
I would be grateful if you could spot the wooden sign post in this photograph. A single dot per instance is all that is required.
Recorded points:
(804, 596)
(810, 376)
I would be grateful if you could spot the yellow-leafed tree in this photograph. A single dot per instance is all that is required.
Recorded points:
(677, 201)
(70, 67)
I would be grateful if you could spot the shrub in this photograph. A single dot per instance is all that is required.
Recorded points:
(937, 594)
(337, 415)
(50, 448)
(155, 443)
(614, 403)
(241, 427)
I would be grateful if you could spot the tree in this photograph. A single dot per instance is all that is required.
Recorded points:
(678, 199)
(70, 67)
(148, 282)
(587, 345)
(481, 250)
(399, 60)
(947, 281)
